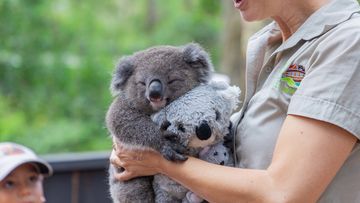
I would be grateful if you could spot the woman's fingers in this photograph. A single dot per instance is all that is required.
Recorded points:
(125, 175)
(114, 159)
(124, 158)
(117, 162)
(134, 162)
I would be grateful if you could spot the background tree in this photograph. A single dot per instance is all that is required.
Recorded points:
(56, 60)
(232, 54)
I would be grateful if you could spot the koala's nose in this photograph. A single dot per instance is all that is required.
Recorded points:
(203, 132)
(155, 90)
(222, 163)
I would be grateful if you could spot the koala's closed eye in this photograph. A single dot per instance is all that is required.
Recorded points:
(173, 81)
(141, 83)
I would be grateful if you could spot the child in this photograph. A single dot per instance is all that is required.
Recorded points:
(21, 174)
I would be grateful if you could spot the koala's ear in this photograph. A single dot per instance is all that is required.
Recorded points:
(123, 71)
(198, 58)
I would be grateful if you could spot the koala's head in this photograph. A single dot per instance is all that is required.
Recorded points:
(201, 117)
(153, 78)
(217, 154)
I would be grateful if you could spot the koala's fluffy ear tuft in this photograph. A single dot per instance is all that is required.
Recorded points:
(198, 58)
(123, 71)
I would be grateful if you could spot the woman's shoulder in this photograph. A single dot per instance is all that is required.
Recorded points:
(349, 29)
(344, 38)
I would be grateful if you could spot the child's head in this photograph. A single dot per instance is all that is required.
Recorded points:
(21, 174)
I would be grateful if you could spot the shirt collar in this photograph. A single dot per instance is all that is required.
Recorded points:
(323, 20)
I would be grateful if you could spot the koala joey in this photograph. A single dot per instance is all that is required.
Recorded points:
(142, 84)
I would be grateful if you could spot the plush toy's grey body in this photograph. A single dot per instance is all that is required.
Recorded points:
(143, 83)
(200, 118)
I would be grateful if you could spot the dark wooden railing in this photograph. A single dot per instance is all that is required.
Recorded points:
(78, 178)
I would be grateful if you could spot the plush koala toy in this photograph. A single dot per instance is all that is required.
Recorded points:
(142, 84)
(199, 120)
(217, 154)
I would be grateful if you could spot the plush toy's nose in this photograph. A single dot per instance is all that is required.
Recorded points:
(155, 90)
(203, 132)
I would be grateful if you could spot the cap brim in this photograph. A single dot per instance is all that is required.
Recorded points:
(44, 167)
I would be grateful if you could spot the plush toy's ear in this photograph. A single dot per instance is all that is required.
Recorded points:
(123, 71)
(230, 93)
(233, 94)
(198, 58)
(203, 152)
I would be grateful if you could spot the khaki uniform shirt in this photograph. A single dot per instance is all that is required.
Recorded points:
(317, 76)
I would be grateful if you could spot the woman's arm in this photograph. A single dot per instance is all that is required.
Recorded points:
(306, 158)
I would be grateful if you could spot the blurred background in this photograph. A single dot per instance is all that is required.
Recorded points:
(56, 60)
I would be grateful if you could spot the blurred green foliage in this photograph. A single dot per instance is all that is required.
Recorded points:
(56, 60)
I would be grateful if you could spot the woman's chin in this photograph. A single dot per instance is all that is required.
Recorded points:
(250, 17)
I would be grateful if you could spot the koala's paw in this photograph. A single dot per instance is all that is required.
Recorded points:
(172, 150)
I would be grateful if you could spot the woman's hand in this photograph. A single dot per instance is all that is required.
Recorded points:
(135, 162)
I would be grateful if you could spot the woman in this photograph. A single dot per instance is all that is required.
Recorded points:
(297, 133)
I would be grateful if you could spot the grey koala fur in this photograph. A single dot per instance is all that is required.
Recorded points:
(142, 84)
(198, 119)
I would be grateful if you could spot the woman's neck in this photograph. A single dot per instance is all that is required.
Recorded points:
(292, 16)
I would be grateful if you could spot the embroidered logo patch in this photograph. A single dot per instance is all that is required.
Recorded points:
(291, 78)
(10, 150)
